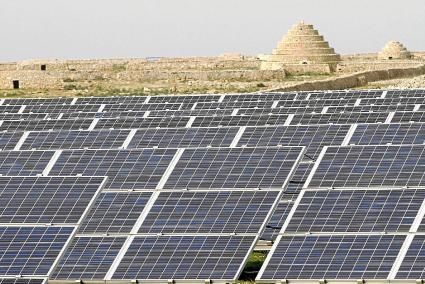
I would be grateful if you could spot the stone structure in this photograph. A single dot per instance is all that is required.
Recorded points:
(302, 50)
(394, 50)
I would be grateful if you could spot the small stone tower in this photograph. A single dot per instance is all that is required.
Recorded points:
(394, 50)
(302, 48)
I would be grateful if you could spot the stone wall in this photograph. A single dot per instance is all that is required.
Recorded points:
(30, 79)
(355, 80)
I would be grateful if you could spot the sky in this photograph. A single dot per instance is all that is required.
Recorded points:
(84, 29)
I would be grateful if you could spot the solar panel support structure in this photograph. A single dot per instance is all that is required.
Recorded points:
(221, 99)
(235, 112)
(128, 139)
(389, 117)
(93, 124)
(308, 96)
(384, 94)
(316, 165)
(1, 122)
(59, 116)
(194, 106)
(289, 119)
(170, 169)
(275, 103)
(357, 103)
(241, 267)
(324, 110)
(1, 102)
(21, 110)
(21, 141)
(349, 135)
(101, 108)
(74, 101)
(62, 251)
(237, 137)
(146, 114)
(190, 122)
(148, 98)
(268, 258)
(118, 258)
(52, 162)
(416, 108)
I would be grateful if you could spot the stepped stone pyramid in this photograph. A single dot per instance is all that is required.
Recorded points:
(303, 49)
(394, 50)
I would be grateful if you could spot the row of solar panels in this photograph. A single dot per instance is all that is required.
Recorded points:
(208, 122)
(64, 108)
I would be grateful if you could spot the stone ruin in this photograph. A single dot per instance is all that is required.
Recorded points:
(302, 50)
(394, 50)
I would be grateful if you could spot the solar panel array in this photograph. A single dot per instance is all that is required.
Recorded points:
(184, 188)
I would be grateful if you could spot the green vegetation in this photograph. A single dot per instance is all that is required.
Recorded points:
(253, 265)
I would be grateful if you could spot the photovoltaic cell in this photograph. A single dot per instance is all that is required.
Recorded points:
(209, 212)
(30, 250)
(340, 118)
(395, 133)
(24, 163)
(359, 210)
(299, 177)
(368, 166)
(40, 125)
(141, 107)
(8, 141)
(88, 258)
(60, 108)
(56, 140)
(22, 281)
(115, 212)
(128, 123)
(371, 108)
(314, 137)
(233, 168)
(239, 121)
(333, 257)
(46, 199)
(184, 257)
(126, 169)
(277, 220)
(407, 117)
(183, 137)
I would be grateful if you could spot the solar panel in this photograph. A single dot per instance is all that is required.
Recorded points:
(126, 169)
(24, 163)
(55, 140)
(404, 93)
(360, 210)
(400, 117)
(209, 212)
(340, 118)
(184, 257)
(345, 95)
(239, 120)
(115, 212)
(279, 111)
(30, 250)
(314, 137)
(333, 257)
(258, 97)
(127, 123)
(22, 281)
(299, 177)
(22, 116)
(60, 108)
(141, 107)
(192, 112)
(88, 258)
(371, 108)
(10, 108)
(111, 100)
(183, 137)
(232, 105)
(233, 168)
(394, 101)
(38, 101)
(413, 263)
(46, 199)
(112, 114)
(394, 133)
(186, 99)
(368, 166)
(317, 103)
(8, 141)
(40, 125)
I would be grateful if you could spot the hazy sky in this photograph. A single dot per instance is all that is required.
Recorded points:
(142, 28)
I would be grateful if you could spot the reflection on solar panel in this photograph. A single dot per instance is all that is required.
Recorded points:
(126, 169)
(30, 250)
(314, 137)
(115, 212)
(413, 263)
(209, 212)
(25, 163)
(376, 134)
(277, 219)
(49, 140)
(183, 137)
(184, 257)
(356, 211)
(46, 199)
(233, 168)
(88, 258)
(333, 257)
(368, 166)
